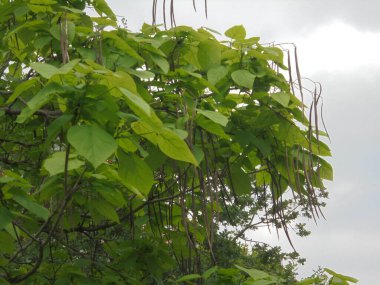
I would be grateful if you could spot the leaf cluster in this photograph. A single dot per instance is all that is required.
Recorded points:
(122, 154)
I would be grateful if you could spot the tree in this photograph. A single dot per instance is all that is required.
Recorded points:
(124, 155)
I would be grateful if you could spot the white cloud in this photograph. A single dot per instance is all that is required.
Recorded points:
(339, 47)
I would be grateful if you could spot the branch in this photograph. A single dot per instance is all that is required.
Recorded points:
(43, 243)
(17, 142)
(247, 227)
(42, 112)
(125, 217)
(22, 277)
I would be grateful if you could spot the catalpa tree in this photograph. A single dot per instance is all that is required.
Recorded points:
(124, 155)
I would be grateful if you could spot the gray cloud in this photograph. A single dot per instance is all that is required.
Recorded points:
(272, 19)
(348, 241)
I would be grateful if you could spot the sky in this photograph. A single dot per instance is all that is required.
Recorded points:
(338, 42)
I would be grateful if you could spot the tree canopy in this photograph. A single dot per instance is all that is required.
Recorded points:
(127, 157)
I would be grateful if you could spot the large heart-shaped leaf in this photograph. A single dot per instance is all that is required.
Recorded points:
(282, 97)
(92, 142)
(209, 54)
(243, 78)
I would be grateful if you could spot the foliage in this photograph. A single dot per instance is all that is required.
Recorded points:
(260, 256)
(123, 154)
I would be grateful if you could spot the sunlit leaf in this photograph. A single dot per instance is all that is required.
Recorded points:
(56, 163)
(236, 32)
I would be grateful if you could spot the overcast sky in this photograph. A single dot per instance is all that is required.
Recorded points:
(339, 45)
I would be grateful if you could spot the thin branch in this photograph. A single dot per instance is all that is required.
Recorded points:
(42, 112)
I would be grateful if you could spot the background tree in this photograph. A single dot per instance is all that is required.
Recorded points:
(125, 155)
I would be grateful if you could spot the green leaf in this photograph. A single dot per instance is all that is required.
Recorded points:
(68, 66)
(122, 79)
(135, 173)
(7, 243)
(106, 210)
(209, 54)
(56, 163)
(111, 195)
(39, 100)
(282, 97)
(343, 277)
(211, 127)
(141, 108)
(127, 145)
(5, 217)
(102, 7)
(142, 74)
(173, 146)
(308, 281)
(55, 31)
(240, 180)
(189, 277)
(46, 70)
(261, 282)
(245, 138)
(325, 170)
(32, 206)
(214, 116)
(56, 127)
(236, 32)
(161, 62)
(121, 44)
(243, 78)
(146, 130)
(28, 25)
(92, 142)
(169, 142)
(254, 273)
(21, 88)
(215, 74)
(209, 272)
(104, 22)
